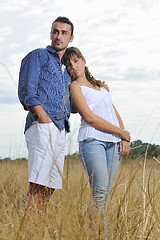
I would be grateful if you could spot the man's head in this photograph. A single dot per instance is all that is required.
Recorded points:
(64, 20)
(61, 34)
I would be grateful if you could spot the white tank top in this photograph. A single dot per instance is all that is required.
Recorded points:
(100, 103)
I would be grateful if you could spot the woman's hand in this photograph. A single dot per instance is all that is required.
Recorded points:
(125, 148)
(125, 135)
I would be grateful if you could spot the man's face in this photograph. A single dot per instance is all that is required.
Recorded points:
(60, 36)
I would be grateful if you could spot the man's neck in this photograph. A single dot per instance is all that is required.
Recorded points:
(61, 53)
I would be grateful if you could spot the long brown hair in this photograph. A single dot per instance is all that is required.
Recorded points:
(75, 51)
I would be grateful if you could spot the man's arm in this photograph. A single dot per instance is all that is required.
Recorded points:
(28, 80)
(42, 115)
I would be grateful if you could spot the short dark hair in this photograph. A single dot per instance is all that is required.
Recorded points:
(64, 20)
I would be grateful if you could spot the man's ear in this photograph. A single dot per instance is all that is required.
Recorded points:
(71, 39)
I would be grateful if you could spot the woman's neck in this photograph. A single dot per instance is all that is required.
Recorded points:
(82, 80)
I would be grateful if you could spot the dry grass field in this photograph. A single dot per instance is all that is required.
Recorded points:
(133, 210)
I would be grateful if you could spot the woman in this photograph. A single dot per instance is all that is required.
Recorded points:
(102, 137)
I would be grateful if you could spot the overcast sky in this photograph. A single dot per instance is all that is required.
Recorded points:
(120, 40)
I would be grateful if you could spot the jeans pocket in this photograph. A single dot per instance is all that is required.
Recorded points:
(119, 151)
(88, 140)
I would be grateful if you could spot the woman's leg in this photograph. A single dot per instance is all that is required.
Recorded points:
(113, 160)
(100, 160)
(93, 156)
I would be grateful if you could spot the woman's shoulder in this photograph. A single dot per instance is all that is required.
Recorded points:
(74, 87)
(74, 84)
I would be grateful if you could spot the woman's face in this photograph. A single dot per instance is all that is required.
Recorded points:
(76, 66)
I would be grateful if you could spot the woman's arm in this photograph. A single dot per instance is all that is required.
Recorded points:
(91, 118)
(119, 118)
(125, 148)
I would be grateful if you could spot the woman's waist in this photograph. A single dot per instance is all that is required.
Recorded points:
(89, 131)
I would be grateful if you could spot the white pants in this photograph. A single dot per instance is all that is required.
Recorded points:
(45, 143)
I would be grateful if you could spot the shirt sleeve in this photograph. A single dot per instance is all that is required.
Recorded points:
(28, 80)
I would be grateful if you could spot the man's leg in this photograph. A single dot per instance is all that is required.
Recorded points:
(40, 194)
(45, 159)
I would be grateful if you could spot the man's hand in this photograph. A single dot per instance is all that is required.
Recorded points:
(42, 115)
(105, 86)
(43, 118)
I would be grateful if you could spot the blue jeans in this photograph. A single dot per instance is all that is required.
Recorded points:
(101, 161)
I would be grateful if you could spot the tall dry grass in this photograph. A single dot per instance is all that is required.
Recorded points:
(133, 210)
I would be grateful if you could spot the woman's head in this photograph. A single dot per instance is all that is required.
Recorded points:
(72, 56)
(75, 63)
(70, 52)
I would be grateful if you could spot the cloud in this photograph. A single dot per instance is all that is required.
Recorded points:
(14, 45)
(5, 32)
(12, 143)
(37, 11)
(8, 97)
(138, 103)
(141, 74)
(12, 5)
(33, 37)
(144, 5)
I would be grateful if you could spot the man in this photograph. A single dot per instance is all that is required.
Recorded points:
(43, 90)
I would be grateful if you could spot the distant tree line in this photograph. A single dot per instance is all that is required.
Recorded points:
(8, 159)
(138, 148)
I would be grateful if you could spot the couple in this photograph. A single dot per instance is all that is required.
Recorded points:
(44, 84)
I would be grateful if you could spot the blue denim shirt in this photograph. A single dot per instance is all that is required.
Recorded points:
(42, 82)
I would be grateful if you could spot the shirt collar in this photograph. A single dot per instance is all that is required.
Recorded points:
(50, 49)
